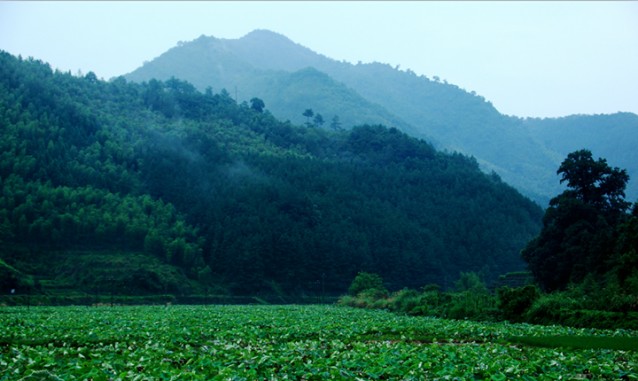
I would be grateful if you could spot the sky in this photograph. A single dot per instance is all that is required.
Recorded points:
(530, 59)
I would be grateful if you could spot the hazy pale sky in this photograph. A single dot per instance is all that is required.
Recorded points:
(527, 58)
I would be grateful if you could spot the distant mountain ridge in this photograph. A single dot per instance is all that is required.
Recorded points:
(210, 62)
(524, 152)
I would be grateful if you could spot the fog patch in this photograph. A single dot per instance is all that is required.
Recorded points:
(239, 171)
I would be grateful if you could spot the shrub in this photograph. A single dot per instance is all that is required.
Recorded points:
(514, 302)
(471, 305)
(549, 308)
(366, 281)
(470, 281)
(433, 302)
(372, 298)
(347, 300)
(613, 298)
(404, 300)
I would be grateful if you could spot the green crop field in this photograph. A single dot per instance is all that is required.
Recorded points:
(294, 343)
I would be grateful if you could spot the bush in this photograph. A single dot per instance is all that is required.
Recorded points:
(471, 305)
(366, 281)
(599, 319)
(347, 300)
(404, 300)
(432, 302)
(470, 281)
(514, 302)
(549, 308)
(583, 308)
(371, 298)
(613, 298)
(10, 278)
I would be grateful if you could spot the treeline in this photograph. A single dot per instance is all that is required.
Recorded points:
(471, 299)
(584, 263)
(236, 200)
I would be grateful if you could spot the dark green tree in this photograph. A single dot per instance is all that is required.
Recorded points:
(594, 182)
(257, 104)
(625, 262)
(366, 281)
(318, 120)
(335, 124)
(308, 114)
(513, 302)
(579, 226)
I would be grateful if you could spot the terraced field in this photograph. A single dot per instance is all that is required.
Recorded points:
(296, 343)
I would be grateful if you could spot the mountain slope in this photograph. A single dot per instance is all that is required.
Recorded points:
(202, 193)
(610, 136)
(449, 117)
(209, 62)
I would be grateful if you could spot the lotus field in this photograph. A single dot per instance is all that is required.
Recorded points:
(295, 343)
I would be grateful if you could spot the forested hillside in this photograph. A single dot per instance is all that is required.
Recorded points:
(270, 66)
(155, 187)
(208, 62)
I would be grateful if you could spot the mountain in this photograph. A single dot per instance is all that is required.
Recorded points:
(610, 136)
(158, 188)
(209, 62)
(265, 64)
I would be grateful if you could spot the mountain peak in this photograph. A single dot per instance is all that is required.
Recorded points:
(273, 51)
(266, 35)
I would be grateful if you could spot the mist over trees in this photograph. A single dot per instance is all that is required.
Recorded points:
(188, 191)
(291, 78)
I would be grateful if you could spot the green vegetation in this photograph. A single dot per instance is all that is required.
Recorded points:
(513, 302)
(469, 299)
(584, 259)
(207, 195)
(294, 342)
(580, 342)
(578, 238)
(291, 78)
(366, 282)
(589, 240)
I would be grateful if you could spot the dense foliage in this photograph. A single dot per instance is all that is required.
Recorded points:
(365, 282)
(587, 232)
(586, 254)
(298, 343)
(291, 78)
(584, 259)
(235, 200)
(581, 307)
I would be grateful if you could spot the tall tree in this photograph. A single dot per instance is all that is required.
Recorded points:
(579, 226)
(335, 124)
(318, 120)
(594, 182)
(257, 104)
(308, 114)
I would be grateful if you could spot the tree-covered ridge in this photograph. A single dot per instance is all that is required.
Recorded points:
(524, 152)
(234, 199)
(208, 62)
